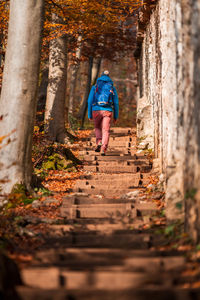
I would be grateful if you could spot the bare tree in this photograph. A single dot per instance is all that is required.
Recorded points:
(83, 108)
(56, 91)
(73, 80)
(93, 72)
(19, 92)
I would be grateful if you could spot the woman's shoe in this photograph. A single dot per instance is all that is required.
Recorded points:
(103, 153)
(98, 148)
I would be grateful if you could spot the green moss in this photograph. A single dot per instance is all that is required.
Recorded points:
(57, 162)
(19, 188)
(19, 195)
(48, 165)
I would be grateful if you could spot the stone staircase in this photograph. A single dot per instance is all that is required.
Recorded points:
(99, 250)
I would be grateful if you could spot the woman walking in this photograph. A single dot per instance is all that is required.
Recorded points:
(102, 104)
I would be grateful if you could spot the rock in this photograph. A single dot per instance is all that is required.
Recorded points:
(99, 196)
(143, 197)
(36, 204)
(145, 124)
(139, 151)
(151, 187)
(131, 195)
(49, 201)
(157, 196)
(79, 194)
(35, 220)
(24, 231)
(31, 220)
(143, 145)
(3, 202)
(161, 178)
(47, 221)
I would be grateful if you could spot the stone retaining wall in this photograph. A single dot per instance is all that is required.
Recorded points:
(169, 100)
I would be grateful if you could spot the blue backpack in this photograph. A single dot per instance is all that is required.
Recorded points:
(104, 93)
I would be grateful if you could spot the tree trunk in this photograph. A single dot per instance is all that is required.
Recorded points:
(56, 91)
(75, 68)
(42, 95)
(19, 92)
(83, 108)
(1, 50)
(95, 69)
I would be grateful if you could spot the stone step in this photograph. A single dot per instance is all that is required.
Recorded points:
(81, 198)
(123, 138)
(123, 176)
(126, 274)
(105, 227)
(108, 252)
(145, 208)
(105, 192)
(97, 211)
(91, 152)
(107, 261)
(116, 169)
(115, 143)
(119, 130)
(93, 221)
(114, 158)
(153, 292)
(96, 239)
(49, 278)
(120, 163)
(110, 184)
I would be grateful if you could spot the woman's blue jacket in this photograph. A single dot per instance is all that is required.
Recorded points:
(92, 107)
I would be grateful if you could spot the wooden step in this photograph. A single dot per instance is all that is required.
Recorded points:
(105, 227)
(119, 163)
(108, 193)
(106, 261)
(109, 184)
(97, 211)
(105, 274)
(116, 138)
(108, 169)
(116, 144)
(123, 176)
(114, 158)
(82, 280)
(79, 199)
(156, 292)
(95, 239)
(91, 152)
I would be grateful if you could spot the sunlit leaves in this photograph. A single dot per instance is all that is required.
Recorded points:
(90, 17)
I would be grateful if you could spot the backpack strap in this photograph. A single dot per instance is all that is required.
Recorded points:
(94, 97)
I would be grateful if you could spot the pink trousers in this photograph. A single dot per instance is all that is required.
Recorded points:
(102, 121)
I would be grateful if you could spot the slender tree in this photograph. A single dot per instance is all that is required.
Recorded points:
(83, 108)
(74, 72)
(56, 91)
(93, 71)
(19, 92)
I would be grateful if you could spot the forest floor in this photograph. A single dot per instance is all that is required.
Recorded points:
(98, 228)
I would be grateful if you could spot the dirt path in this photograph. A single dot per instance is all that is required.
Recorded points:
(105, 247)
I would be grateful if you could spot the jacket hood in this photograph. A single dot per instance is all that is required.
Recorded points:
(105, 78)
